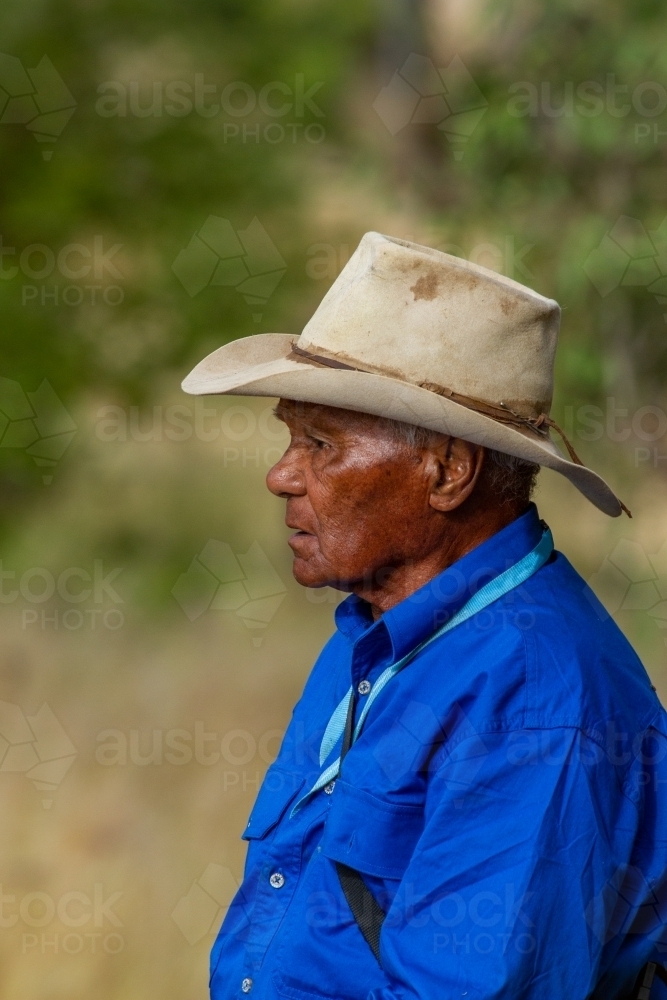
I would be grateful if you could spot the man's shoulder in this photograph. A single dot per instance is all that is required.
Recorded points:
(549, 655)
(579, 667)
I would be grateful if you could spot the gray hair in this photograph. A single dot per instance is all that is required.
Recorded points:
(512, 479)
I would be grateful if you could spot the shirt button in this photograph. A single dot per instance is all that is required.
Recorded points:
(364, 687)
(277, 880)
(328, 789)
(246, 985)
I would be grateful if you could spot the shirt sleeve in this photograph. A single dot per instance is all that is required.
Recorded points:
(508, 892)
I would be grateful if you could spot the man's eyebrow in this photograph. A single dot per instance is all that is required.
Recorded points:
(309, 427)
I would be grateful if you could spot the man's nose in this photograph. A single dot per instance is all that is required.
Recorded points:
(286, 478)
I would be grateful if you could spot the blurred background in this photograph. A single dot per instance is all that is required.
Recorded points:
(173, 176)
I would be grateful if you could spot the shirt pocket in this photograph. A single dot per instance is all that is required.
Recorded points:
(369, 834)
(279, 788)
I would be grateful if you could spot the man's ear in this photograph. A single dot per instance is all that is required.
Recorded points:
(459, 464)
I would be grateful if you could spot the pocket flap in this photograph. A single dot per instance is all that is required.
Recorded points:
(278, 789)
(369, 834)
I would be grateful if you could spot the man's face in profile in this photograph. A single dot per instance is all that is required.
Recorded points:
(361, 501)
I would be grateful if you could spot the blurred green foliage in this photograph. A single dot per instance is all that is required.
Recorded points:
(148, 180)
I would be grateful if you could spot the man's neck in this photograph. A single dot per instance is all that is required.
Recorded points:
(391, 585)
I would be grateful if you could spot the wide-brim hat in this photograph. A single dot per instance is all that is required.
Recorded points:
(419, 336)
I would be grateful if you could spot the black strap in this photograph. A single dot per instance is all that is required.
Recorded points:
(644, 981)
(347, 732)
(367, 912)
(365, 908)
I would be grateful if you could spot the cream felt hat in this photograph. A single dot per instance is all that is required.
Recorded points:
(419, 336)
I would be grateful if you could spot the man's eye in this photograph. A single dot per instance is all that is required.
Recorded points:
(318, 442)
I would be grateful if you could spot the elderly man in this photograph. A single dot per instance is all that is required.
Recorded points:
(471, 797)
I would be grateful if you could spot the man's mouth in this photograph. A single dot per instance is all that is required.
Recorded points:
(298, 530)
(299, 537)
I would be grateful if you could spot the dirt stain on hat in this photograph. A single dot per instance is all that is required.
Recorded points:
(426, 287)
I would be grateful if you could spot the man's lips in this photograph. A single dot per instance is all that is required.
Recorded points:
(299, 538)
(298, 529)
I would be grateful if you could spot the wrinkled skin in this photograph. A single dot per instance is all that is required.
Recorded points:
(373, 515)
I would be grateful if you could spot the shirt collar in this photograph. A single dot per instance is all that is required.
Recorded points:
(422, 613)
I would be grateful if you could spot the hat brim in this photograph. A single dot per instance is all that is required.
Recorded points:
(261, 366)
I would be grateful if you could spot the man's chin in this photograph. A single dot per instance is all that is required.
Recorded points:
(309, 567)
(308, 574)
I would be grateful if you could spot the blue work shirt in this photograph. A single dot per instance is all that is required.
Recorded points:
(505, 802)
